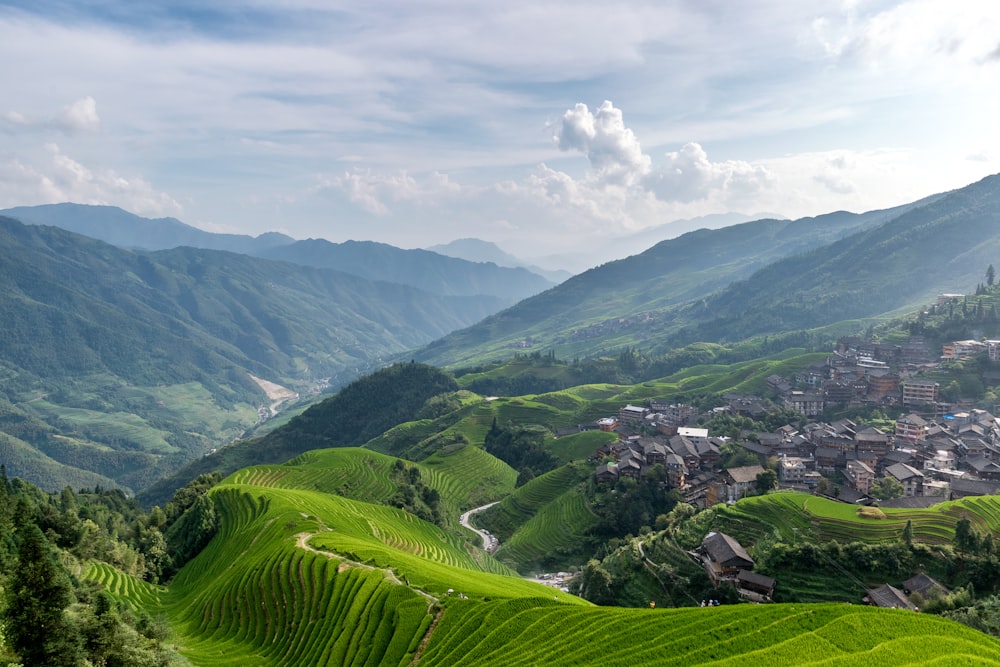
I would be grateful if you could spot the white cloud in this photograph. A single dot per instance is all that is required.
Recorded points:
(81, 116)
(55, 177)
(613, 150)
(689, 176)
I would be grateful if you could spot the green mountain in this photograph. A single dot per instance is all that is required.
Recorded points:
(495, 286)
(127, 230)
(357, 413)
(633, 301)
(944, 246)
(426, 270)
(477, 250)
(137, 361)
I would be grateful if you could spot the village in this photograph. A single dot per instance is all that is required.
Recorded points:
(936, 450)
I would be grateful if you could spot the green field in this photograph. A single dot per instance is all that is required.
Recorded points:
(298, 576)
(798, 516)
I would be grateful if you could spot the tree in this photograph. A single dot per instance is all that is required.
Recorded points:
(37, 594)
(966, 537)
(991, 275)
(886, 488)
(908, 532)
(766, 481)
(596, 583)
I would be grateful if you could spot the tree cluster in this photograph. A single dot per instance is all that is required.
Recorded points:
(49, 616)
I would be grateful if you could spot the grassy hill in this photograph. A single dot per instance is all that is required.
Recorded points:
(301, 577)
(632, 301)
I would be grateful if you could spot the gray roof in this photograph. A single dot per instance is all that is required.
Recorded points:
(902, 472)
(725, 550)
(923, 584)
(756, 579)
(889, 597)
(745, 474)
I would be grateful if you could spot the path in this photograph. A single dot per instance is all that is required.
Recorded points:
(490, 543)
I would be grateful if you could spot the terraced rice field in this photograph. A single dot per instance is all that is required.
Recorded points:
(302, 577)
(520, 633)
(544, 517)
(797, 515)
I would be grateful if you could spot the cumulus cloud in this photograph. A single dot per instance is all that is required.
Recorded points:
(612, 149)
(80, 116)
(617, 159)
(60, 178)
(689, 175)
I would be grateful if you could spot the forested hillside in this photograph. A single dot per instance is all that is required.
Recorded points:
(129, 363)
(634, 301)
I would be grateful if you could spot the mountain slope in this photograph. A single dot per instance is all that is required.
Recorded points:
(492, 287)
(152, 352)
(626, 301)
(944, 246)
(429, 271)
(126, 230)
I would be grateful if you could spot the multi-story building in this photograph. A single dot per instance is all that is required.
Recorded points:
(860, 476)
(911, 427)
(809, 403)
(919, 392)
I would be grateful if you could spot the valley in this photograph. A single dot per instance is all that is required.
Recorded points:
(839, 435)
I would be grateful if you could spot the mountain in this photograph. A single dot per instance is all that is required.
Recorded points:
(132, 362)
(127, 230)
(944, 246)
(429, 271)
(495, 287)
(477, 250)
(631, 301)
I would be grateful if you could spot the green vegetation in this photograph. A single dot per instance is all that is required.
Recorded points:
(359, 412)
(136, 362)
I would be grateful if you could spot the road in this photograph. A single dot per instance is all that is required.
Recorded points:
(490, 543)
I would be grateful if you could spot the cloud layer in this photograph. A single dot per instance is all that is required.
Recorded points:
(420, 123)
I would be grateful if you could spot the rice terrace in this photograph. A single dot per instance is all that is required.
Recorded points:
(299, 576)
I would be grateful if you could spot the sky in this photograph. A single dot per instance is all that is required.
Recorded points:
(548, 127)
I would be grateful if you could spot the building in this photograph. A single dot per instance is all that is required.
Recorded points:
(809, 403)
(911, 478)
(737, 483)
(920, 392)
(792, 470)
(632, 414)
(872, 440)
(723, 557)
(889, 597)
(961, 349)
(860, 475)
(911, 427)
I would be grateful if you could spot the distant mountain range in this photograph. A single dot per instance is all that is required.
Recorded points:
(699, 285)
(117, 365)
(435, 273)
(477, 250)
(129, 362)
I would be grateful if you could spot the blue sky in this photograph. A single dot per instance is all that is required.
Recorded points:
(549, 127)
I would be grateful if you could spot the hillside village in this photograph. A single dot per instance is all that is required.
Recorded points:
(936, 450)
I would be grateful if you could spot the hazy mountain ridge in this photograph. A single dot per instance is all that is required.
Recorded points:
(98, 330)
(477, 250)
(498, 286)
(426, 270)
(599, 308)
(127, 230)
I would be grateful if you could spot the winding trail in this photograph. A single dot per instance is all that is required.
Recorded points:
(490, 543)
